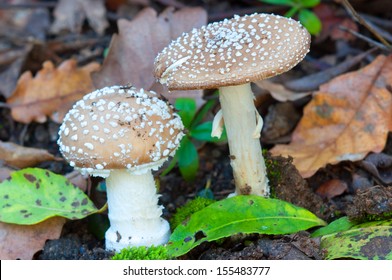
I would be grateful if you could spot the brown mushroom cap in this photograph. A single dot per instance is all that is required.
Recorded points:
(119, 128)
(233, 52)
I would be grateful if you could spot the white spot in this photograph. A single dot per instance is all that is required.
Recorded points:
(89, 146)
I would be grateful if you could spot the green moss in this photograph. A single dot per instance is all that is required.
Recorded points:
(142, 253)
(184, 212)
(273, 172)
(272, 166)
(366, 217)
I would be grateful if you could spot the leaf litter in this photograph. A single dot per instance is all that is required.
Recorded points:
(348, 117)
(120, 60)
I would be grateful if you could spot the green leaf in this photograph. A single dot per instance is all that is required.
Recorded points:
(309, 3)
(279, 2)
(290, 13)
(310, 21)
(171, 165)
(240, 214)
(370, 241)
(32, 195)
(202, 112)
(187, 110)
(338, 225)
(202, 132)
(188, 159)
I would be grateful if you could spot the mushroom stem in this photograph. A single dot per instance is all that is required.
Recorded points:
(246, 156)
(134, 213)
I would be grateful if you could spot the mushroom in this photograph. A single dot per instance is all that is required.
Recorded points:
(122, 134)
(229, 55)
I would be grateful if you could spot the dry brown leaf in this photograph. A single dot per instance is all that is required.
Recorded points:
(133, 50)
(78, 179)
(71, 14)
(279, 92)
(22, 242)
(348, 117)
(22, 157)
(332, 188)
(51, 92)
(23, 23)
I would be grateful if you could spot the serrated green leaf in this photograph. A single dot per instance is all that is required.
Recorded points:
(338, 225)
(32, 195)
(186, 110)
(240, 214)
(202, 132)
(310, 21)
(370, 241)
(188, 159)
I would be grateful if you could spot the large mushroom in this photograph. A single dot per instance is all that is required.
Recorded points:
(229, 55)
(122, 134)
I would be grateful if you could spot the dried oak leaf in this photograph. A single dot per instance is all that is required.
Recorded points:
(347, 118)
(71, 14)
(51, 92)
(133, 50)
(18, 156)
(22, 242)
(332, 188)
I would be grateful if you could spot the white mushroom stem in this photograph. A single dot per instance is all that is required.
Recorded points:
(242, 125)
(134, 214)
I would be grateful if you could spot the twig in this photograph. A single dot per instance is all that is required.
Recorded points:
(382, 32)
(379, 21)
(350, 9)
(367, 39)
(312, 82)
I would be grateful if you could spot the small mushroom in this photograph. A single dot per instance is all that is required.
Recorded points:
(122, 134)
(229, 55)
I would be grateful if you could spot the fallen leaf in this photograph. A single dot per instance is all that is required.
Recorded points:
(51, 92)
(78, 179)
(10, 75)
(133, 50)
(332, 188)
(347, 118)
(71, 14)
(312, 82)
(379, 165)
(22, 242)
(23, 23)
(18, 156)
(279, 92)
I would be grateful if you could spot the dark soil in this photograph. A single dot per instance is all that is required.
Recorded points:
(365, 195)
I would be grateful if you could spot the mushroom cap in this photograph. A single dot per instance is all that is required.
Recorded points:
(119, 128)
(232, 52)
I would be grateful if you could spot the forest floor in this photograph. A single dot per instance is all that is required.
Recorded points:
(53, 50)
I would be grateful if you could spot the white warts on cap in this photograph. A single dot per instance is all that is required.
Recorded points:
(232, 52)
(117, 128)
